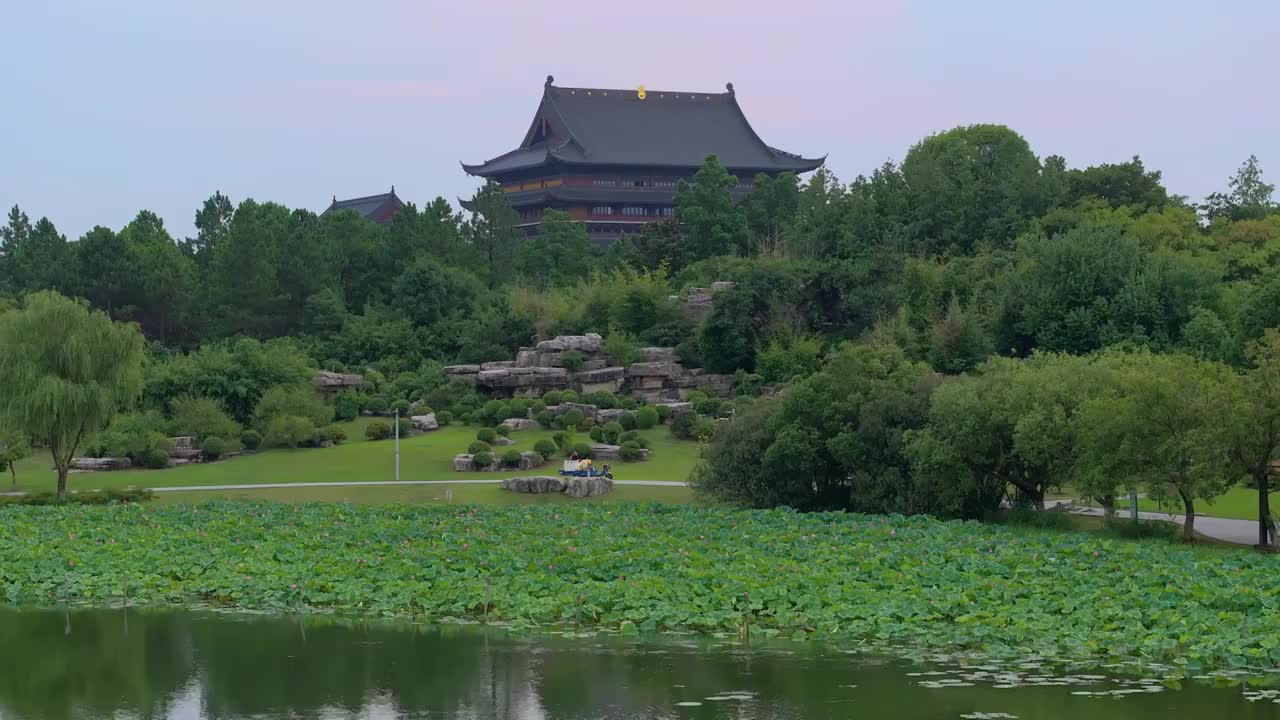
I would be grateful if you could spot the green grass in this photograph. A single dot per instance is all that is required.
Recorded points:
(426, 494)
(427, 456)
(1239, 503)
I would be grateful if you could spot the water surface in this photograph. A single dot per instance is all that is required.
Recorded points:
(59, 665)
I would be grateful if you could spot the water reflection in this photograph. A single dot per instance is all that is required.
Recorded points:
(58, 665)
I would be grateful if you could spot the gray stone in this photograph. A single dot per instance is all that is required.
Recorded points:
(584, 487)
(656, 355)
(722, 285)
(586, 410)
(464, 463)
(518, 424)
(530, 460)
(461, 369)
(678, 408)
(515, 377)
(697, 304)
(589, 343)
(526, 357)
(534, 484)
(503, 441)
(332, 382)
(181, 443)
(425, 423)
(600, 451)
(101, 464)
(604, 416)
(604, 374)
(497, 365)
(652, 369)
(185, 453)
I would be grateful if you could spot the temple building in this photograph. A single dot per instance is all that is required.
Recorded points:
(375, 208)
(612, 158)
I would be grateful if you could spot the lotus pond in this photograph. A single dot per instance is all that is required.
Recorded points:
(58, 664)
(913, 583)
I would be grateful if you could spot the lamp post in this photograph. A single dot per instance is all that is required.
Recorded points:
(397, 445)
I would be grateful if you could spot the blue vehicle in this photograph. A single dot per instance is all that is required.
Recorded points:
(585, 468)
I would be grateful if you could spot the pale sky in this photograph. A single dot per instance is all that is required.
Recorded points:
(107, 108)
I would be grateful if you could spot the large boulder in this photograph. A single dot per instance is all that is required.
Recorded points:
(425, 423)
(584, 487)
(534, 484)
(461, 369)
(589, 343)
(464, 463)
(656, 355)
(604, 416)
(653, 369)
(518, 424)
(101, 464)
(604, 374)
(332, 382)
(601, 451)
(518, 377)
(497, 365)
(503, 441)
(562, 408)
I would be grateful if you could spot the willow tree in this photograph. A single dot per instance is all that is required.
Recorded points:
(64, 371)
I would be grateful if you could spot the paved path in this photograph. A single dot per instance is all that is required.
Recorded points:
(1243, 532)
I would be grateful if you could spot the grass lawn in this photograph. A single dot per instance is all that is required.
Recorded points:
(1239, 503)
(426, 494)
(428, 456)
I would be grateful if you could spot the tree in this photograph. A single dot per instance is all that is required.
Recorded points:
(65, 370)
(971, 187)
(33, 257)
(770, 206)
(1119, 185)
(213, 223)
(243, 267)
(14, 446)
(161, 272)
(103, 272)
(1249, 197)
(713, 222)
(428, 291)
(491, 232)
(1153, 427)
(1248, 423)
(559, 253)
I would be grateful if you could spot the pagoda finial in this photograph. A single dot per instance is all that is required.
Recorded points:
(550, 80)
(729, 87)
(335, 198)
(393, 189)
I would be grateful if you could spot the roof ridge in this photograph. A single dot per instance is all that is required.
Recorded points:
(366, 197)
(649, 93)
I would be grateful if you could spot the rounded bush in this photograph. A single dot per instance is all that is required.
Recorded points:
(546, 419)
(573, 418)
(503, 430)
(596, 433)
(583, 449)
(347, 405)
(400, 406)
(559, 439)
(251, 439)
(478, 446)
(546, 448)
(406, 427)
(377, 430)
(602, 399)
(568, 396)
(709, 407)
(627, 420)
(611, 432)
(630, 452)
(588, 422)
(444, 417)
(703, 430)
(377, 404)
(633, 437)
(696, 397)
(646, 417)
(664, 412)
(510, 458)
(213, 447)
(518, 408)
(552, 398)
(537, 407)
(155, 458)
(487, 435)
(628, 403)
(682, 427)
(320, 437)
(482, 459)
(337, 434)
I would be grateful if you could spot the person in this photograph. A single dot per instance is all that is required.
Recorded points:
(574, 455)
(607, 471)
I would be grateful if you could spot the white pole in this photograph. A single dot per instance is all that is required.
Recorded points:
(397, 445)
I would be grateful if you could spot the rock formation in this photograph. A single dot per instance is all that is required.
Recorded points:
(331, 382)
(425, 423)
(579, 487)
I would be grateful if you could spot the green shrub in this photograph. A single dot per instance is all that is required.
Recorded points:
(630, 452)
(213, 447)
(571, 360)
(602, 399)
(696, 397)
(406, 427)
(138, 436)
(456, 396)
(337, 435)
(292, 401)
(478, 446)
(703, 430)
(664, 413)
(377, 404)
(1027, 517)
(573, 418)
(536, 408)
(320, 438)
(510, 458)
(200, 418)
(596, 433)
(377, 430)
(611, 432)
(546, 419)
(633, 437)
(583, 449)
(587, 423)
(646, 417)
(289, 431)
(682, 427)
(629, 403)
(503, 430)
(546, 448)
(568, 396)
(552, 398)
(559, 439)
(487, 435)
(83, 497)
(347, 405)
(444, 417)
(709, 407)
(1141, 529)
(482, 459)
(155, 457)
(250, 439)
(518, 408)
(400, 406)
(627, 420)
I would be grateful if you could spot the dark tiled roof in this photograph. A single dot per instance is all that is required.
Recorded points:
(666, 129)
(378, 208)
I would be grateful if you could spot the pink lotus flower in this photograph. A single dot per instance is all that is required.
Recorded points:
(73, 563)
(293, 586)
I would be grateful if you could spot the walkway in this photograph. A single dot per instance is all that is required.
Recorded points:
(1242, 532)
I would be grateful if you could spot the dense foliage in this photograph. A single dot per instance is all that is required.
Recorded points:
(904, 580)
